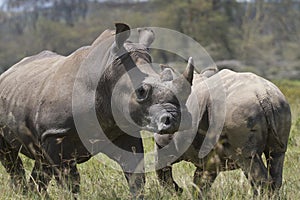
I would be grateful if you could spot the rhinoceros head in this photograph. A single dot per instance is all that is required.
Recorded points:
(158, 103)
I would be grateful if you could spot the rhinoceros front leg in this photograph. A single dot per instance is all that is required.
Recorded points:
(40, 177)
(164, 171)
(204, 178)
(165, 177)
(130, 156)
(206, 172)
(69, 175)
(12, 164)
(59, 155)
(164, 158)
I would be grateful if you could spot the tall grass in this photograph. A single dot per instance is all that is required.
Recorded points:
(100, 181)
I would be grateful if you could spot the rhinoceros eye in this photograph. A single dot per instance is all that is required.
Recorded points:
(142, 92)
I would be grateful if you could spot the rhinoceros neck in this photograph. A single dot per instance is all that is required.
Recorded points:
(115, 89)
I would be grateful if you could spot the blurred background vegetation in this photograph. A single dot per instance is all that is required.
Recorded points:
(259, 35)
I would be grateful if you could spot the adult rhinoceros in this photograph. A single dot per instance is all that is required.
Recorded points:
(257, 121)
(44, 96)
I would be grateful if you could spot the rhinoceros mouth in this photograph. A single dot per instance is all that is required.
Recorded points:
(156, 130)
(165, 132)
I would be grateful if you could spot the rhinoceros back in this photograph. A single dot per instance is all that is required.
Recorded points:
(37, 90)
(251, 103)
(251, 96)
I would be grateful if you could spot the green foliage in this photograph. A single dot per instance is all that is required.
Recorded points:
(262, 35)
(202, 20)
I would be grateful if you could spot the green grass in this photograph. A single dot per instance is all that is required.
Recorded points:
(100, 181)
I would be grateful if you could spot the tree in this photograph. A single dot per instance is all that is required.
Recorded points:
(68, 11)
(208, 22)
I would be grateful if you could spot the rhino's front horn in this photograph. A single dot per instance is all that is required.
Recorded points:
(188, 74)
(183, 83)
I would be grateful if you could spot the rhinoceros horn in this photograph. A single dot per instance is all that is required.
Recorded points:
(189, 71)
(183, 83)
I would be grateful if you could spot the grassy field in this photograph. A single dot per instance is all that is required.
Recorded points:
(100, 181)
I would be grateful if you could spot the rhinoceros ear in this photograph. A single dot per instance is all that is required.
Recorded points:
(122, 34)
(146, 36)
(164, 66)
(166, 74)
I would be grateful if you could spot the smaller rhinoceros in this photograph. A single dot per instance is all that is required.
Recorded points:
(257, 121)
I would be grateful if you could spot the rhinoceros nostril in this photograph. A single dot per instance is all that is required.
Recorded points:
(166, 120)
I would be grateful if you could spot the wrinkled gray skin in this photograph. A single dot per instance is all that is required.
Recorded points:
(257, 122)
(37, 115)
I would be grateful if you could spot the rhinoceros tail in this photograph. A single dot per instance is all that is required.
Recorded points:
(268, 109)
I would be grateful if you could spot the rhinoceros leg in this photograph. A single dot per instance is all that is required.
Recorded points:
(206, 172)
(275, 166)
(69, 175)
(41, 175)
(204, 179)
(61, 162)
(131, 159)
(12, 164)
(255, 170)
(164, 169)
(166, 179)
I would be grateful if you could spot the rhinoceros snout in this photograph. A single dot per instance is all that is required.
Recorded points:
(164, 118)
